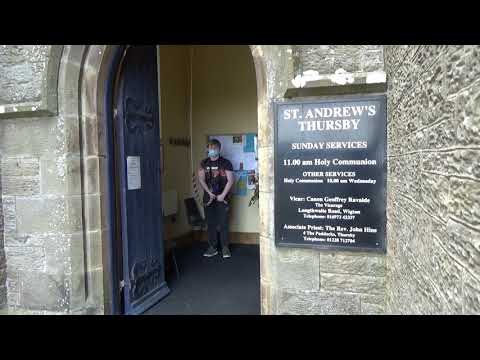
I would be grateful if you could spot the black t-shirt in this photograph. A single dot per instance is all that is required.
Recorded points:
(215, 176)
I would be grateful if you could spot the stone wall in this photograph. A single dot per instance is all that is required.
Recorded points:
(326, 59)
(23, 82)
(29, 75)
(40, 182)
(3, 262)
(300, 281)
(433, 179)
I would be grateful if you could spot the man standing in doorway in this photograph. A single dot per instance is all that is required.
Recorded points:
(216, 178)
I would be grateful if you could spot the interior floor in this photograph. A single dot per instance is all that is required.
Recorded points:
(213, 286)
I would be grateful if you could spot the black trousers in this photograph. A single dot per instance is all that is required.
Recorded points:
(217, 216)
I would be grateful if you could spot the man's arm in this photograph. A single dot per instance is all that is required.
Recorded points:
(228, 186)
(201, 180)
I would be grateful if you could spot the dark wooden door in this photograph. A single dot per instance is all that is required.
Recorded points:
(137, 146)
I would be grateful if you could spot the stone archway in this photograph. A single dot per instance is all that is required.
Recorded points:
(81, 90)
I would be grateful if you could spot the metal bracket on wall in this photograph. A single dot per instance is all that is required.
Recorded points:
(179, 141)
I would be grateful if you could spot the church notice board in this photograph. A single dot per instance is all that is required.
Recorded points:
(330, 174)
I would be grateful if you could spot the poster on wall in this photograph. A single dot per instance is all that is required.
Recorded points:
(240, 185)
(251, 183)
(249, 143)
(330, 174)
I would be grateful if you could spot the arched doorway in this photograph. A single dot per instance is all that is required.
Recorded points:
(95, 64)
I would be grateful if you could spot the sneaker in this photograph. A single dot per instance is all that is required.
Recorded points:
(226, 252)
(210, 252)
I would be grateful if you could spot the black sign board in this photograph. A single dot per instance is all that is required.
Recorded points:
(330, 174)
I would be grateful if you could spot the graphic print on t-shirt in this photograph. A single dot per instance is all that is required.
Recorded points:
(215, 171)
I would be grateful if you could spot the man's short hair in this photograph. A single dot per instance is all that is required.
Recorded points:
(215, 142)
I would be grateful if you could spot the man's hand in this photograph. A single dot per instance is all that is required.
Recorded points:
(212, 197)
(221, 198)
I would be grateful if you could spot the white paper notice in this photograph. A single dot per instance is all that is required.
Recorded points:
(249, 161)
(134, 179)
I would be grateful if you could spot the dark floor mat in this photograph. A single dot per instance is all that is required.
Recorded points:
(213, 286)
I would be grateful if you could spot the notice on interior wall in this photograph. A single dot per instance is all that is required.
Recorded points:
(330, 174)
(249, 161)
(249, 143)
(134, 179)
(251, 180)
(240, 185)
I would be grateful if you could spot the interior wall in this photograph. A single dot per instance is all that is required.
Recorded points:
(174, 102)
(225, 102)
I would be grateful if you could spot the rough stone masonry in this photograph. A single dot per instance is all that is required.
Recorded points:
(3, 262)
(40, 215)
(434, 179)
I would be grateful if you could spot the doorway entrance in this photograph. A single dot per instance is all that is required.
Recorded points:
(166, 103)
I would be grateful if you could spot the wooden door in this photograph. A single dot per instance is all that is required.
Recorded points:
(137, 147)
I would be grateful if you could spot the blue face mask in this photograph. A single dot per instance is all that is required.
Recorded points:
(213, 153)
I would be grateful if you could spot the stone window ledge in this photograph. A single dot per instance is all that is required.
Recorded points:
(311, 83)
